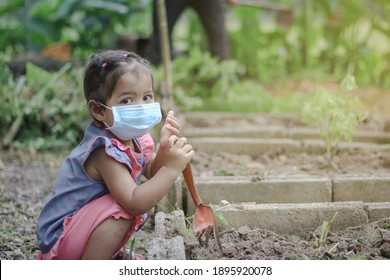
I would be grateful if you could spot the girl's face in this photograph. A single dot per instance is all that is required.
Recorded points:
(131, 89)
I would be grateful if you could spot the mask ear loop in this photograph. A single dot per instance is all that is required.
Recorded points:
(105, 106)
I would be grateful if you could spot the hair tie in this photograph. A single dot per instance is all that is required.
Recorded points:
(104, 65)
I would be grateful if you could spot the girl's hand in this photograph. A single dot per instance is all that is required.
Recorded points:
(170, 127)
(173, 152)
(178, 154)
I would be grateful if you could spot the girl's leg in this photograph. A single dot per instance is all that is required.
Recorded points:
(106, 239)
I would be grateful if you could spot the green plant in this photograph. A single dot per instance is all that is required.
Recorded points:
(42, 110)
(128, 249)
(385, 225)
(325, 229)
(335, 115)
(201, 83)
(200, 77)
(30, 25)
(224, 173)
(302, 257)
(219, 215)
(326, 35)
(359, 256)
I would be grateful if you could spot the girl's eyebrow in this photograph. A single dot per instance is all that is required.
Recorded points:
(132, 93)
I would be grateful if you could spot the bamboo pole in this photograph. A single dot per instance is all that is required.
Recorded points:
(167, 87)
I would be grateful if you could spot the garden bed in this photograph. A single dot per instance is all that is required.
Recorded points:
(26, 180)
(281, 145)
(368, 241)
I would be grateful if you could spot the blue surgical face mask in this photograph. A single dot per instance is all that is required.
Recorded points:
(132, 121)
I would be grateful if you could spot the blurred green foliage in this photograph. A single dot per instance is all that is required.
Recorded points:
(201, 83)
(346, 41)
(86, 25)
(42, 110)
(333, 36)
(330, 36)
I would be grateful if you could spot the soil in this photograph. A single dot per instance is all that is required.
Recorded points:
(272, 164)
(25, 181)
(371, 241)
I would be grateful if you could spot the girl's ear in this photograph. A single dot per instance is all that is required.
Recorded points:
(96, 110)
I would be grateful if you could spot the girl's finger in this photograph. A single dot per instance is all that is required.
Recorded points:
(187, 148)
(172, 130)
(172, 140)
(181, 142)
(173, 122)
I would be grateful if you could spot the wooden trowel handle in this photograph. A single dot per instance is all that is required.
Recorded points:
(189, 179)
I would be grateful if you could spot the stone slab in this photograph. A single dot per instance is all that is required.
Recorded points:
(243, 189)
(278, 131)
(248, 146)
(296, 219)
(377, 211)
(241, 132)
(163, 246)
(366, 189)
(254, 147)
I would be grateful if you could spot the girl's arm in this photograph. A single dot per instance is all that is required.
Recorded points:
(138, 200)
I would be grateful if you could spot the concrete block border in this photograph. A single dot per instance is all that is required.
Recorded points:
(254, 147)
(277, 131)
(294, 219)
(278, 190)
(301, 218)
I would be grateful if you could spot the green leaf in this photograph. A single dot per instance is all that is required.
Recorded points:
(36, 75)
(67, 8)
(10, 6)
(106, 5)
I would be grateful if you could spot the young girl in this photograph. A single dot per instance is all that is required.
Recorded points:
(98, 201)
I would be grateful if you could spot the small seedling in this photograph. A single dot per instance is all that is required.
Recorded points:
(128, 253)
(303, 257)
(359, 256)
(326, 225)
(336, 117)
(219, 215)
(385, 225)
(224, 173)
(221, 220)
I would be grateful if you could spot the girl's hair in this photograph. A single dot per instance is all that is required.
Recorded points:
(104, 70)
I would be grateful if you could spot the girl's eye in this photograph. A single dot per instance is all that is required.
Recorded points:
(127, 101)
(148, 98)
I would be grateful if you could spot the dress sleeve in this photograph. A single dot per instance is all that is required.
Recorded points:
(113, 151)
(147, 146)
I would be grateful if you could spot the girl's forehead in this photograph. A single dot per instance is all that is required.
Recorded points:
(138, 77)
(129, 83)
